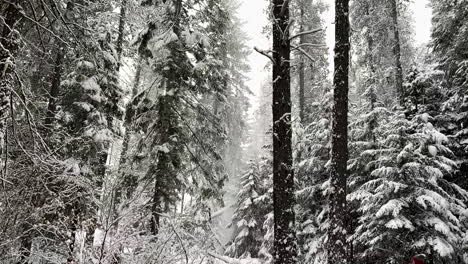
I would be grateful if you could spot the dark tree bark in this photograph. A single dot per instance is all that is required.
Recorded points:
(57, 76)
(122, 22)
(372, 97)
(336, 244)
(161, 170)
(397, 52)
(54, 89)
(285, 248)
(165, 170)
(168, 164)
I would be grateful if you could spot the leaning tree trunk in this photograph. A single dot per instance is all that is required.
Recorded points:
(336, 244)
(285, 248)
(397, 52)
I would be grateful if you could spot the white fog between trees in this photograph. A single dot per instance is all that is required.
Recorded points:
(229, 131)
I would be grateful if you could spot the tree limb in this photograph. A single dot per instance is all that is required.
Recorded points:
(283, 7)
(312, 45)
(265, 53)
(313, 31)
(23, 14)
(303, 52)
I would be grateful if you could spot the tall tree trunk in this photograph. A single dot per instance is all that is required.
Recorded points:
(128, 130)
(119, 49)
(285, 248)
(122, 22)
(167, 162)
(302, 70)
(54, 89)
(9, 48)
(127, 180)
(336, 244)
(162, 171)
(57, 76)
(110, 196)
(372, 78)
(397, 52)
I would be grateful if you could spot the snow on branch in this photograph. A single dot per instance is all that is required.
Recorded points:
(303, 52)
(313, 31)
(23, 14)
(312, 45)
(265, 53)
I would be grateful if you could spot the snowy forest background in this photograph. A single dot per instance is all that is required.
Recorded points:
(129, 133)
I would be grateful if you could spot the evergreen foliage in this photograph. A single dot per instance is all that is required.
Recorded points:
(406, 203)
(252, 212)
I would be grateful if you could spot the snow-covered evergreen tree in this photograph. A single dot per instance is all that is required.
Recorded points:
(449, 40)
(252, 218)
(313, 180)
(406, 203)
(373, 48)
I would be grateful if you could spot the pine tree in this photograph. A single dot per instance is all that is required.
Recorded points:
(448, 34)
(313, 181)
(197, 86)
(376, 47)
(406, 203)
(449, 41)
(253, 206)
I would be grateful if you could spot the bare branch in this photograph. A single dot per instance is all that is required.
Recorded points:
(283, 7)
(303, 52)
(44, 28)
(286, 30)
(37, 27)
(180, 241)
(313, 31)
(312, 45)
(265, 53)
